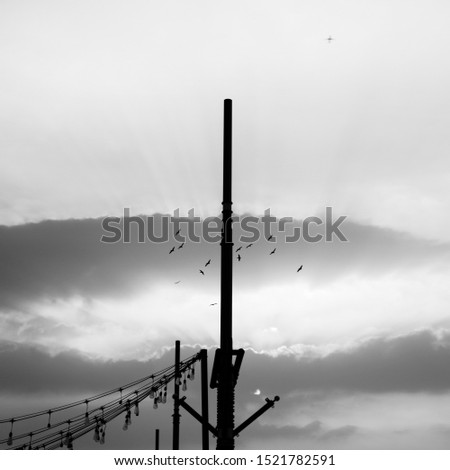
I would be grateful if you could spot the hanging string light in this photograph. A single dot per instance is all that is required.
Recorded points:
(127, 416)
(86, 414)
(103, 434)
(136, 406)
(51, 437)
(96, 431)
(10, 436)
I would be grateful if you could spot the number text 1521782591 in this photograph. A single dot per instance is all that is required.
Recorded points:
(295, 459)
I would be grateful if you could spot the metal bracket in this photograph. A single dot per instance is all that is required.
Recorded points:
(238, 353)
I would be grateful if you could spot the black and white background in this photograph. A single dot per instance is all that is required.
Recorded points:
(109, 104)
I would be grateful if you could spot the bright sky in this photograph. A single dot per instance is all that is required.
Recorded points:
(111, 104)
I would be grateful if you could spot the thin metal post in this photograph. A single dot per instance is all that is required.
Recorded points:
(156, 439)
(205, 406)
(176, 406)
(225, 388)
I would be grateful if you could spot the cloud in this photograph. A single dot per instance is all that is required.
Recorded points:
(27, 369)
(313, 431)
(65, 258)
(63, 289)
(412, 363)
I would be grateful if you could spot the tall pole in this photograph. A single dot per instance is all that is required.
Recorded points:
(225, 387)
(176, 396)
(205, 407)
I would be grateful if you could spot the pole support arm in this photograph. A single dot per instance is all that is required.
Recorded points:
(257, 414)
(197, 416)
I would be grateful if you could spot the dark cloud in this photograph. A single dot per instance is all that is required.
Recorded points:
(313, 430)
(266, 431)
(418, 362)
(340, 433)
(28, 369)
(313, 435)
(59, 259)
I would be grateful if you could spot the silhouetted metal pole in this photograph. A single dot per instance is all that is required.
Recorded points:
(225, 388)
(205, 406)
(176, 396)
(156, 439)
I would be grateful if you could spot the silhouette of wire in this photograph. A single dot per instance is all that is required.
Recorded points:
(64, 432)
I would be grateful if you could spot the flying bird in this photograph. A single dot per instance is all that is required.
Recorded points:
(177, 232)
(329, 39)
(300, 268)
(249, 245)
(239, 257)
(270, 238)
(273, 251)
(181, 246)
(172, 250)
(201, 272)
(239, 249)
(177, 282)
(215, 303)
(208, 262)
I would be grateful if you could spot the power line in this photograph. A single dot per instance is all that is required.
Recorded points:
(64, 432)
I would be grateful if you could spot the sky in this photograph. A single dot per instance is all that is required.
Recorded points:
(107, 106)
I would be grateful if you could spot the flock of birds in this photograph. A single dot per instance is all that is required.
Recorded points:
(239, 258)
